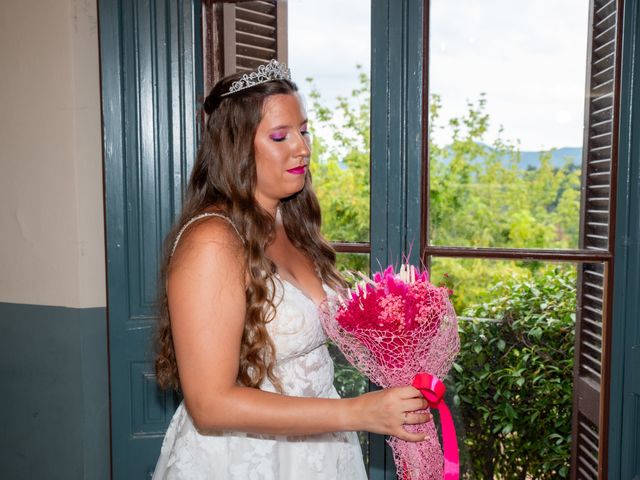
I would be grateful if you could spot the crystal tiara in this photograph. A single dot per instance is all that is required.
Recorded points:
(264, 73)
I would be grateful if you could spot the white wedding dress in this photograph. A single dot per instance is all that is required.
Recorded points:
(305, 369)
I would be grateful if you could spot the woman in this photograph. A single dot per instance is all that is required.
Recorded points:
(239, 332)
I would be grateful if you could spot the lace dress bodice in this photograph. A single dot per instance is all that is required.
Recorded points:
(305, 369)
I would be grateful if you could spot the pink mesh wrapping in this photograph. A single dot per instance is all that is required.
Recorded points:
(391, 329)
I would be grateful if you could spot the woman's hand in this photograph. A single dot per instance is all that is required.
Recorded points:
(386, 411)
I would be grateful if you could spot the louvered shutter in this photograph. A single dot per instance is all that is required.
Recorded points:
(240, 35)
(255, 32)
(592, 322)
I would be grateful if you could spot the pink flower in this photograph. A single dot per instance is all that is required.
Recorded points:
(392, 327)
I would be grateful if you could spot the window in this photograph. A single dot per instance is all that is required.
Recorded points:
(478, 229)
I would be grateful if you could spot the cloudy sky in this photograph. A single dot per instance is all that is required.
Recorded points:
(527, 56)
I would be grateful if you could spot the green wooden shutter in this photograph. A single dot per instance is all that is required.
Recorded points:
(150, 67)
(597, 228)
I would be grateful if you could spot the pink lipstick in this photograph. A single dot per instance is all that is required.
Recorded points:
(297, 170)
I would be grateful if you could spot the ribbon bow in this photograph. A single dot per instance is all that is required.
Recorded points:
(433, 390)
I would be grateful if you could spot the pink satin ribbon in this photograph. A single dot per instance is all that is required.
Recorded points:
(433, 390)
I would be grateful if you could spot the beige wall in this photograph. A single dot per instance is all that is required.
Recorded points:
(51, 200)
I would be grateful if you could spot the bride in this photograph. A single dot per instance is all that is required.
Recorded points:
(239, 334)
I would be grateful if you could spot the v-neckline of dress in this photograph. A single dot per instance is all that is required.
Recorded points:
(302, 292)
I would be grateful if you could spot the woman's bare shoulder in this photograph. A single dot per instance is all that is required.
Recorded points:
(211, 239)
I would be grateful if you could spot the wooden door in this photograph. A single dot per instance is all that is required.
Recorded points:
(151, 84)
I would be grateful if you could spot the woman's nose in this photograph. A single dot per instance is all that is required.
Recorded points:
(303, 148)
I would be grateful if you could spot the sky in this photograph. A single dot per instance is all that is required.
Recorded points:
(527, 56)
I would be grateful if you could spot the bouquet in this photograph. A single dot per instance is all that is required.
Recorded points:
(399, 329)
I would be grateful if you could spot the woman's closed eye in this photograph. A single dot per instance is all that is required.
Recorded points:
(278, 136)
(282, 136)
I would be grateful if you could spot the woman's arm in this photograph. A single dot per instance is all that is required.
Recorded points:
(206, 292)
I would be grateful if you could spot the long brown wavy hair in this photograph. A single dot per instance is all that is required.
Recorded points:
(224, 177)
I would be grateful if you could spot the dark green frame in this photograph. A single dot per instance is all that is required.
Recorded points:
(624, 404)
(396, 151)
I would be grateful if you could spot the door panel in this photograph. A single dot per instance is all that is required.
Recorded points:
(151, 80)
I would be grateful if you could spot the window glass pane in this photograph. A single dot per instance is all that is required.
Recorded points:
(350, 383)
(507, 83)
(347, 380)
(334, 81)
(349, 263)
(511, 389)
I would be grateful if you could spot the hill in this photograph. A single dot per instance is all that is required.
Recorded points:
(531, 159)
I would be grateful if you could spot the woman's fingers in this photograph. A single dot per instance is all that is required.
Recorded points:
(415, 404)
(402, 434)
(411, 418)
(409, 392)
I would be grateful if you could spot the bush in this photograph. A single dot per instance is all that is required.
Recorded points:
(512, 381)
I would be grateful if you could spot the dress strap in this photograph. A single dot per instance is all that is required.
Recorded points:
(198, 217)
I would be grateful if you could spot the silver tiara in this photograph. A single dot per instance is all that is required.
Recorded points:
(264, 73)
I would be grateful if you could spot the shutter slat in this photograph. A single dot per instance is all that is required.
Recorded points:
(603, 161)
(600, 177)
(605, 9)
(603, 114)
(248, 38)
(605, 74)
(603, 88)
(253, 51)
(600, 136)
(594, 354)
(604, 24)
(258, 15)
(601, 127)
(605, 33)
(592, 285)
(604, 62)
(587, 470)
(592, 335)
(258, 6)
(584, 366)
(603, 102)
(595, 351)
(593, 298)
(604, 49)
(595, 325)
(255, 28)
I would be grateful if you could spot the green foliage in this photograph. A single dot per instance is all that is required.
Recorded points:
(340, 166)
(481, 197)
(512, 380)
(347, 380)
